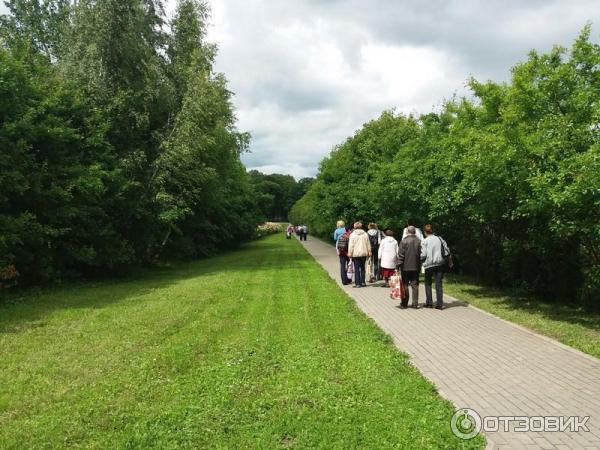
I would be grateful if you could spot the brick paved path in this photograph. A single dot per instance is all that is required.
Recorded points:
(492, 366)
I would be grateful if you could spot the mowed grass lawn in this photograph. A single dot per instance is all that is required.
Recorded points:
(253, 349)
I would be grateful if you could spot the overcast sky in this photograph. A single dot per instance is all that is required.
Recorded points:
(307, 73)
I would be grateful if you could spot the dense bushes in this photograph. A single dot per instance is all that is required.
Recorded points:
(511, 177)
(118, 141)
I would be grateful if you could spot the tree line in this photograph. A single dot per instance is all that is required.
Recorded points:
(510, 176)
(118, 140)
(276, 193)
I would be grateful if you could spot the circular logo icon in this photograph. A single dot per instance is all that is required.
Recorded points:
(466, 423)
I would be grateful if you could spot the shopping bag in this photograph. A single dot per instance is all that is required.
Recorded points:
(398, 290)
(370, 272)
(350, 270)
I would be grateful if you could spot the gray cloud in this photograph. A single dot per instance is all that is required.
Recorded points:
(308, 73)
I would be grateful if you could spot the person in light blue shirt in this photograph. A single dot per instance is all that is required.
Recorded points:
(340, 229)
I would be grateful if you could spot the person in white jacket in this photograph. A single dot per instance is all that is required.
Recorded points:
(388, 256)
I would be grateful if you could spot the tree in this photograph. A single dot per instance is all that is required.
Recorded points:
(103, 166)
(509, 177)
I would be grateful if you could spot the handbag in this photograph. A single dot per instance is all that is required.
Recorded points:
(370, 270)
(446, 255)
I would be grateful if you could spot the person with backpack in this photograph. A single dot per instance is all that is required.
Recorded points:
(435, 255)
(359, 248)
(375, 237)
(341, 247)
(409, 261)
(339, 230)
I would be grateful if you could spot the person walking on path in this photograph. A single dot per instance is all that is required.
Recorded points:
(409, 260)
(375, 237)
(341, 247)
(289, 231)
(339, 230)
(359, 248)
(434, 251)
(303, 232)
(418, 231)
(388, 256)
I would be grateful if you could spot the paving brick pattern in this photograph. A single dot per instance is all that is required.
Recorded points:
(479, 361)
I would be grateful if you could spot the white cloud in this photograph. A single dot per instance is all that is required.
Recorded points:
(307, 73)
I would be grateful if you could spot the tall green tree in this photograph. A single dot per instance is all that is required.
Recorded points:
(119, 141)
(509, 177)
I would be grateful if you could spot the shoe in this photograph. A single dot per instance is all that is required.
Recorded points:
(403, 307)
(363, 285)
(428, 306)
(415, 307)
(439, 307)
(357, 286)
(385, 285)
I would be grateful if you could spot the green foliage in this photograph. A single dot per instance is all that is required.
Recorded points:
(511, 177)
(118, 140)
(277, 193)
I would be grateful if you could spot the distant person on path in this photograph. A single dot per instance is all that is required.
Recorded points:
(289, 231)
(341, 245)
(410, 265)
(339, 230)
(388, 256)
(303, 232)
(375, 237)
(418, 232)
(433, 250)
(359, 248)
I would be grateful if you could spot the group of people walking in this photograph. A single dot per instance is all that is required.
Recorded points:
(300, 230)
(374, 255)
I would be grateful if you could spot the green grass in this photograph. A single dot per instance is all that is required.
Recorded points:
(253, 349)
(568, 324)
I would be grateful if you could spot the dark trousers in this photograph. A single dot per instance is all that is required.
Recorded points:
(376, 268)
(344, 269)
(411, 283)
(359, 270)
(436, 272)
(303, 236)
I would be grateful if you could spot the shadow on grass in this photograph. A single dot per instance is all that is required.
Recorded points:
(27, 307)
(513, 301)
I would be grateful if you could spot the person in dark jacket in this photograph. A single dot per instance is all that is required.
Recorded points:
(410, 265)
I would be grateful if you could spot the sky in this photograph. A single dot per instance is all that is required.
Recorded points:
(307, 74)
